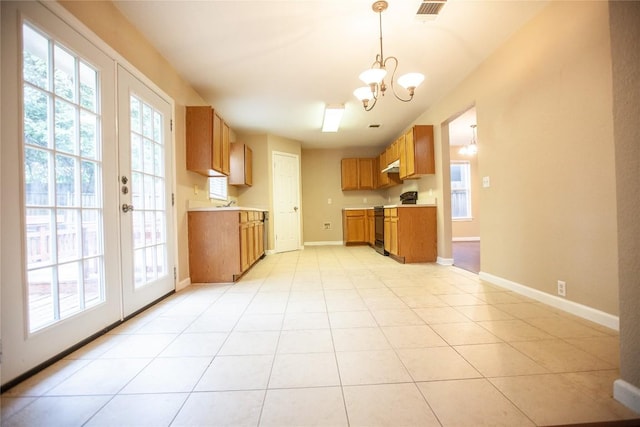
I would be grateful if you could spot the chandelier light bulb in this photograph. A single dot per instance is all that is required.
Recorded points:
(363, 93)
(373, 76)
(411, 81)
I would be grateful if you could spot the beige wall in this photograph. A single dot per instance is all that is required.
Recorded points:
(321, 180)
(461, 229)
(625, 39)
(544, 102)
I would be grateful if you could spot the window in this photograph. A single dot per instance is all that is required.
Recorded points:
(218, 187)
(461, 190)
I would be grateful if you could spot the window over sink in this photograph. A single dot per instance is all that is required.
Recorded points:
(218, 188)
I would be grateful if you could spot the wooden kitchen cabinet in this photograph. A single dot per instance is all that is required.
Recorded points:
(353, 226)
(370, 227)
(366, 178)
(410, 233)
(223, 244)
(358, 174)
(417, 152)
(207, 153)
(349, 169)
(392, 153)
(225, 148)
(241, 165)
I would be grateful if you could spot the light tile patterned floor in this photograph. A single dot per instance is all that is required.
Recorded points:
(334, 336)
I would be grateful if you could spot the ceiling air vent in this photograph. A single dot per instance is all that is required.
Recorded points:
(430, 9)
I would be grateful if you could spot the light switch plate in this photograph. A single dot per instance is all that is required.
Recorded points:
(486, 182)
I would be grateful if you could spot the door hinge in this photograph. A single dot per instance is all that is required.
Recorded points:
(175, 274)
(173, 199)
(171, 125)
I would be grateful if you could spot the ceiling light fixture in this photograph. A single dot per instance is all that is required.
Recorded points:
(472, 148)
(374, 77)
(332, 117)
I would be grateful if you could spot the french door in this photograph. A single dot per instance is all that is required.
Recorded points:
(73, 261)
(145, 195)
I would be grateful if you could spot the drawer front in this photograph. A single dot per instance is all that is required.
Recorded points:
(244, 216)
(357, 212)
(390, 212)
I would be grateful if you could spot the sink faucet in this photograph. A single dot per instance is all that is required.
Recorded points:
(231, 202)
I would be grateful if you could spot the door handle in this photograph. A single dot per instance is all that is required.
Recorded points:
(295, 208)
(126, 208)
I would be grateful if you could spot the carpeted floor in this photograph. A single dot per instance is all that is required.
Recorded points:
(466, 255)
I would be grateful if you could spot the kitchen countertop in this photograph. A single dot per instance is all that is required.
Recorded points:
(204, 206)
(419, 205)
(224, 209)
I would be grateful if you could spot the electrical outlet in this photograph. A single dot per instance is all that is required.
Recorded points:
(326, 226)
(562, 288)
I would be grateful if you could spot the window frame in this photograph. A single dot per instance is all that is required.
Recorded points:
(224, 193)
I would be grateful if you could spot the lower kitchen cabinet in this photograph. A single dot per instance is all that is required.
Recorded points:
(354, 226)
(410, 233)
(223, 244)
(370, 227)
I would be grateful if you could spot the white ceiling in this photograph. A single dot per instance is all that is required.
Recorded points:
(271, 66)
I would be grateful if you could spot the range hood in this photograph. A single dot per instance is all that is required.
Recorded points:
(393, 167)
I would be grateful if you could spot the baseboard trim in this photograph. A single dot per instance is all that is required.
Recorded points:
(465, 239)
(325, 243)
(627, 394)
(588, 313)
(444, 261)
(183, 284)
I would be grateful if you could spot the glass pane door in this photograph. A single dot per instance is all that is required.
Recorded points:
(146, 212)
(148, 192)
(62, 181)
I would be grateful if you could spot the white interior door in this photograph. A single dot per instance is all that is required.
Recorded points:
(146, 213)
(60, 262)
(286, 201)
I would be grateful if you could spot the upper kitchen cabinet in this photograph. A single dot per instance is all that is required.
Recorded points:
(207, 142)
(241, 165)
(392, 152)
(358, 174)
(226, 152)
(417, 153)
(366, 178)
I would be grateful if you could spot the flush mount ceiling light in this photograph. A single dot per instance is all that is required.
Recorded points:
(471, 148)
(374, 77)
(332, 117)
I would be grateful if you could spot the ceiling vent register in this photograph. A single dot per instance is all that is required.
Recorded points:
(430, 9)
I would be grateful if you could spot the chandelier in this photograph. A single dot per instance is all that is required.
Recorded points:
(471, 148)
(374, 77)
